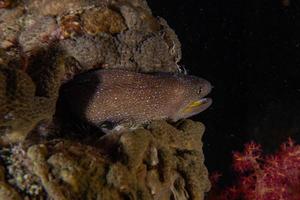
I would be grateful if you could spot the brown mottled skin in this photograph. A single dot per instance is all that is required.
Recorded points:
(120, 96)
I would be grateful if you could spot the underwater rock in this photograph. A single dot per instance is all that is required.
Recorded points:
(37, 33)
(6, 190)
(91, 51)
(125, 33)
(20, 108)
(10, 26)
(102, 21)
(32, 43)
(5, 3)
(44, 44)
(162, 161)
(57, 7)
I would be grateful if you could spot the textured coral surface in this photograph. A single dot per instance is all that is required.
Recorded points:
(158, 162)
(45, 43)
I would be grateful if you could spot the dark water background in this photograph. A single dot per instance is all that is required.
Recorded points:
(250, 51)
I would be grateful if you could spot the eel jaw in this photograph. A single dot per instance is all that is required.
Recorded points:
(197, 106)
(193, 108)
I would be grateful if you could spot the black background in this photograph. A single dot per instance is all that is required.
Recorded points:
(250, 51)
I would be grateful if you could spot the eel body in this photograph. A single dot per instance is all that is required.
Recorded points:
(119, 96)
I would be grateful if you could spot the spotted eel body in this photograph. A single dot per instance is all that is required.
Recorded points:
(120, 96)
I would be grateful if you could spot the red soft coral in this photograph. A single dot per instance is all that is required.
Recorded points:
(275, 177)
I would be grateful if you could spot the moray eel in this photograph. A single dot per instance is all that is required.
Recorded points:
(119, 96)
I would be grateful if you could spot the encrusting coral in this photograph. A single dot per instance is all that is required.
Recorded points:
(45, 43)
(158, 162)
(20, 109)
(41, 46)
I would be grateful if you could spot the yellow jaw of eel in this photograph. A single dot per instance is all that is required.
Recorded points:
(195, 107)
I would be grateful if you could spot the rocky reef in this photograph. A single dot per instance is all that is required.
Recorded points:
(44, 44)
(158, 162)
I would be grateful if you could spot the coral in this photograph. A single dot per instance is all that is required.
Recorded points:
(91, 51)
(17, 166)
(57, 7)
(5, 3)
(7, 191)
(102, 20)
(171, 39)
(153, 51)
(266, 177)
(50, 42)
(10, 26)
(158, 162)
(137, 18)
(36, 25)
(145, 53)
(20, 109)
(37, 34)
(69, 26)
(45, 43)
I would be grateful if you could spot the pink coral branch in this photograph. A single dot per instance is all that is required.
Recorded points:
(274, 177)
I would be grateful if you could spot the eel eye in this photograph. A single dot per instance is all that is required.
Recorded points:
(199, 90)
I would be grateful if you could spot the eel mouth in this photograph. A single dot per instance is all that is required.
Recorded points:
(205, 103)
(196, 107)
